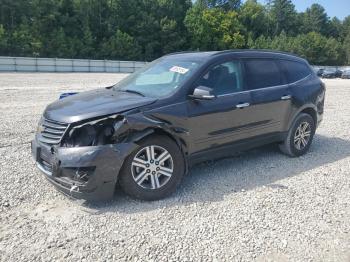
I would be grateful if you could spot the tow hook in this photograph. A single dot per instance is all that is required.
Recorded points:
(74, 188)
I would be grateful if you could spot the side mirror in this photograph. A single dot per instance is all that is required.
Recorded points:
(203, 93)
(64, 95)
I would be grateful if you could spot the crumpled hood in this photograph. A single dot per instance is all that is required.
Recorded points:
(92, 104)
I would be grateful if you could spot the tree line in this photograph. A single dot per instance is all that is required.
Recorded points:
(147, 29)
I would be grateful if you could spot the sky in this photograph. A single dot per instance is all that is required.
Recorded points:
(338, 8)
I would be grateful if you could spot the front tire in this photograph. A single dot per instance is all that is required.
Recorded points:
(300, 136)
(154, 170)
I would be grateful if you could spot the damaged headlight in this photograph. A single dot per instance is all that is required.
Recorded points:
(93, 133)
(40, 127)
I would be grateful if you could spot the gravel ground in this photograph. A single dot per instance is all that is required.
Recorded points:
(259, 205)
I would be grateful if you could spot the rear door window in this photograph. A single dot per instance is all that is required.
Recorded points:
(295, 71)
(262, 73)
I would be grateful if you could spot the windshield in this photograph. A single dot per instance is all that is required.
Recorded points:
(159, 78)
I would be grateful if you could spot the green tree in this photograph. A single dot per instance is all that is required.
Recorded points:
(88, 44)
(335, 28)
(173, 33)
(346, 48)
(283, 16)
(319, 49)
(3, 40)
(157, 25)
(224, 4)
(13, 13)
(262, 42)
(254, 19)
(121, 46)
(345, 31)
(23, 43)
(145, 30)
(313, 46)
(214, 29)
(58, 44)
(315, 19)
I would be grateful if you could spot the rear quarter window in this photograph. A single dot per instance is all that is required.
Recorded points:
(295, 71)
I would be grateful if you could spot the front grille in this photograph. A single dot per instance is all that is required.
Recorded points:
(52, 131)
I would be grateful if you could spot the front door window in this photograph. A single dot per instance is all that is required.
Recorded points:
(224, 79)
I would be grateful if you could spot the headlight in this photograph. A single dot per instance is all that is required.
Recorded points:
(40, 127)
(83, 136)
(93, 133)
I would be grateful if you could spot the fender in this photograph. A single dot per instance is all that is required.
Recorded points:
(139, 126)
(299, 110)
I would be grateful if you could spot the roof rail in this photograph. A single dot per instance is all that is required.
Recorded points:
(257, 50)
(214, 53)
(184, 52)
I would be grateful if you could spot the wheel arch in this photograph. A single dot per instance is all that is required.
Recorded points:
(312, 112)
(139, 136)
(309, 109)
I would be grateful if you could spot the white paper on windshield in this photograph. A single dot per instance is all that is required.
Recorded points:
(179, 69)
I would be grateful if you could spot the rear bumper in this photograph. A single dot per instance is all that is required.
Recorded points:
(87, 173)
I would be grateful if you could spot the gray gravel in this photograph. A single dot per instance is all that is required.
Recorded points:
(259, 205)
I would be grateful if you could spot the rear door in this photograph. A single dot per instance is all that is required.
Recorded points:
(270, 94)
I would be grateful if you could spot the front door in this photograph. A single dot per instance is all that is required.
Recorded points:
(224, 119)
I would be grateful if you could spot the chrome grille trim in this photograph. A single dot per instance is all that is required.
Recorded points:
(53, 131)
(50, 124)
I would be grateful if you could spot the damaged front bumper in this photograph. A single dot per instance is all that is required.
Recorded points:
(87, 173)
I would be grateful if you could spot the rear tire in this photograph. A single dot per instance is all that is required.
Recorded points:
(154, 170)
(300, 136)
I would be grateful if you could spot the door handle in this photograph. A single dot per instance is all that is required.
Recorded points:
(286, 97)
(243, 105)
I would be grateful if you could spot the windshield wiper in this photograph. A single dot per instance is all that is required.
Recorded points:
(132, 91)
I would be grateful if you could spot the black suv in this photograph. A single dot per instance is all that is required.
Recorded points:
(146, 131)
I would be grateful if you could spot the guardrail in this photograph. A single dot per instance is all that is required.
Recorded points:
(32, 64)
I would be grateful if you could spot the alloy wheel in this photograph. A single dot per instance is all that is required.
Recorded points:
(152, 167)
(302, 135)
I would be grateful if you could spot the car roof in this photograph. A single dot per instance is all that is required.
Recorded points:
(241, 52)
